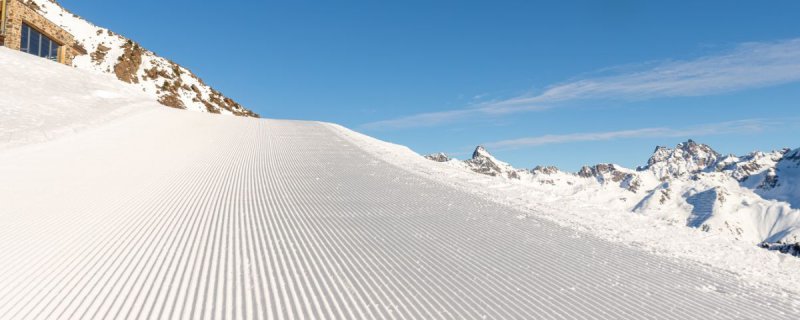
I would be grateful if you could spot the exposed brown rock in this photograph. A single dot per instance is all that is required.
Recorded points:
(664, 196)
(171, 100)
(154, 73)
(99, 55)
(129, 62)
(209, 107)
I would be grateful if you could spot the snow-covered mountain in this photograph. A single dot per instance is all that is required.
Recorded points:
(166, 81)
(752, 198)
(686, 158)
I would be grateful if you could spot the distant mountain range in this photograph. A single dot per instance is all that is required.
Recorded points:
(168, 82)
(754, 198)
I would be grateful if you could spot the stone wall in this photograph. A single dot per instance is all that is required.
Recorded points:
(19, 12)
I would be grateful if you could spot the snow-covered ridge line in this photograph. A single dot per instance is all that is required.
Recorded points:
(587, 210)
(753, 198)
(166, 81)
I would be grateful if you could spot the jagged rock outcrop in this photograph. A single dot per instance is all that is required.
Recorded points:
(686, 158)
(547, 170)
(438, 157)
(787, 248)
(484, 163)
(611, 173)
(169, 83)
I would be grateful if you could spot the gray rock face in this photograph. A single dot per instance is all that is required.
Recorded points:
(545, 170)
(611, 173)
(686, 158)
(484, 163)
(787, 248)
(438, 157)
(700, 154)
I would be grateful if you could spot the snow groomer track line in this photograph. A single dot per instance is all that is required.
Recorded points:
(161, 213)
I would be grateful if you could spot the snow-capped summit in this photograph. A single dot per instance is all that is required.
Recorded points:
(686, 158)
(484, 162)
(165, 81)
(691, 184)
(480, 151)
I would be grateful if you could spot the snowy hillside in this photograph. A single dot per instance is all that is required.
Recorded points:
(167, 82)
(114, 207)
(93, 101)
(753, 198)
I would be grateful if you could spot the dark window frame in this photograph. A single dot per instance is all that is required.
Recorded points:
(37, 43)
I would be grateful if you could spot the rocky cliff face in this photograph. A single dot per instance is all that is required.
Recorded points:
(438, 157)
(686, 158)
(169, 83)
(484, 163)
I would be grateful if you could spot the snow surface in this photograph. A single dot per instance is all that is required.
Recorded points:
(581, 205)
(39, 114)
(160, 213)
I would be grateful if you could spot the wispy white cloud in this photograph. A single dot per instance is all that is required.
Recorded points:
(740, 126)
(436, 118)
(748, 65)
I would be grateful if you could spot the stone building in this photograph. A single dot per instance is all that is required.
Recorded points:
(22, 28)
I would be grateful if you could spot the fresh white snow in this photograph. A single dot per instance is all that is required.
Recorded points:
(49, 100)
(603, 211)
(150, 212)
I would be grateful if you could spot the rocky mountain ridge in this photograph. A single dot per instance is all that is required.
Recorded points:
(168, 82)
(752, 198)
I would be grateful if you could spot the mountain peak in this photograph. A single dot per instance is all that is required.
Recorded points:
(686, 157)
(484, 162)
(480, 151)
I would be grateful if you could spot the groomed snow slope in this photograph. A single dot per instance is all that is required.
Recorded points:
(160, 213)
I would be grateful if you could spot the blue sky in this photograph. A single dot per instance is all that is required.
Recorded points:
(566, 83)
